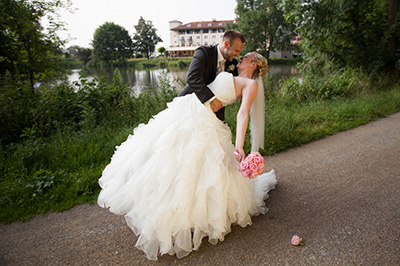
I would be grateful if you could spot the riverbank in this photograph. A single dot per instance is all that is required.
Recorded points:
(185, 61)
(167, 62)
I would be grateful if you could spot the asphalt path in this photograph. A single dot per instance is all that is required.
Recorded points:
(341, 194)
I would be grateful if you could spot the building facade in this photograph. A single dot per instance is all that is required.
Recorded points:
(186, 38)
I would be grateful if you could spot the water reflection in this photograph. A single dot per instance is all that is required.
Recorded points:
(140, 79)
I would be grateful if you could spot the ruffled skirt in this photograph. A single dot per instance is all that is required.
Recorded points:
(176, 181)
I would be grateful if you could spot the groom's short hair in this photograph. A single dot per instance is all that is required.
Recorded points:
(231, 35)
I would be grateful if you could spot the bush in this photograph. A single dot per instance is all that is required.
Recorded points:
(181, 64)
(342, 83)
(16, 104)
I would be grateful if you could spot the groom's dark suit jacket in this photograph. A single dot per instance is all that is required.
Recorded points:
(202, 71)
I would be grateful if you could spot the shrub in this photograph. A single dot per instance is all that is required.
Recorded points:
(16, 103)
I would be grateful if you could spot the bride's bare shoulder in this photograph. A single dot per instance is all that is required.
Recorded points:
(243, 81)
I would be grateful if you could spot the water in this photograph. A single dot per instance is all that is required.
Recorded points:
(139, 79)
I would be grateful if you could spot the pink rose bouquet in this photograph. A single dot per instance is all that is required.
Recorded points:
(252, 165)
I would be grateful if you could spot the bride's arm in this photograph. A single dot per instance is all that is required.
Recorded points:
(249, 93)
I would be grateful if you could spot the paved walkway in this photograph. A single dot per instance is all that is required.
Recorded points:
(341, 194)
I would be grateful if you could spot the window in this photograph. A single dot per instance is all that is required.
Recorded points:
(197, 31)
(214, 36)
(198, 37)
(209, 24)
(189, 31)
(205, 31)
(189, 25)
(181, 32)
(205, 37)
(220, 24)
(199, 25)
(213, 30)
(221, 30)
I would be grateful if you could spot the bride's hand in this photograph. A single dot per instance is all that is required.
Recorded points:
(215, 105)
(239, 154)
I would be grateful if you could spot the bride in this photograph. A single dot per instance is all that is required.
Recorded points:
(175, 179)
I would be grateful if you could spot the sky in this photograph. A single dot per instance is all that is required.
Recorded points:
(90, 14)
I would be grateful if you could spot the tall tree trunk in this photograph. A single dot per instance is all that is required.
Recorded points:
(391, 45)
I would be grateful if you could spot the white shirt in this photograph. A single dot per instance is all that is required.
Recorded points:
(220, 59)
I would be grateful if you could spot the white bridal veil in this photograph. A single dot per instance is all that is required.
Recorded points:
(257, 118)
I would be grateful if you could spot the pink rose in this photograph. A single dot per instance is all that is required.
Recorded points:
(253, 167)
(296, 240)
(243, 165)
(253, 175)
(255, 154)
(246, 173)
(257, 160)
(261, 169)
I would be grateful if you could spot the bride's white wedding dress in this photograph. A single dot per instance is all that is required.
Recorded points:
(176, 179)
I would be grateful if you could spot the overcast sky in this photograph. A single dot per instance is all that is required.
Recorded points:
(90, 14)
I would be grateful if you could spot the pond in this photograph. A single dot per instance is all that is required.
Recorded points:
(139, 79)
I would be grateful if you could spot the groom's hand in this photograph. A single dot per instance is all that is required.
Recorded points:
(215, 105)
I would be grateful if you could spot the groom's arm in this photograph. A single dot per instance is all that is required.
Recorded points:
(195, 76)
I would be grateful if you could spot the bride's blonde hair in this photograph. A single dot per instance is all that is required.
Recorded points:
(262, 65)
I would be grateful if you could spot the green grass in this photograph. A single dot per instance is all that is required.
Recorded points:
(57, 172)
(290, 124)
(284, 61)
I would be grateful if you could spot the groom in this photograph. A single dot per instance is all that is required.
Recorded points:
(207, 62)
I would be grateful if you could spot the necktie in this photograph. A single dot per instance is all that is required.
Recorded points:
(221, 66)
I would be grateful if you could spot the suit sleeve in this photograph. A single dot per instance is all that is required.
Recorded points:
(195, 77)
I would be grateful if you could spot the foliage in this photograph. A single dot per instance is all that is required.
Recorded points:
(145, 38)
(264, 26)
(342, 83)
(161, 62)
(29, 51)
(82, 54)
(161, 50)
(111, 42)
(348, 33)
(60, 169)
(16, 102)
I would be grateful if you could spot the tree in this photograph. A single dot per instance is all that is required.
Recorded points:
(264, 26)
(166, 53)
(29, 51)
(111, 42)
(357, 34)
(161, 50)
(393, 40)
(83, 54)
(145, 38)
